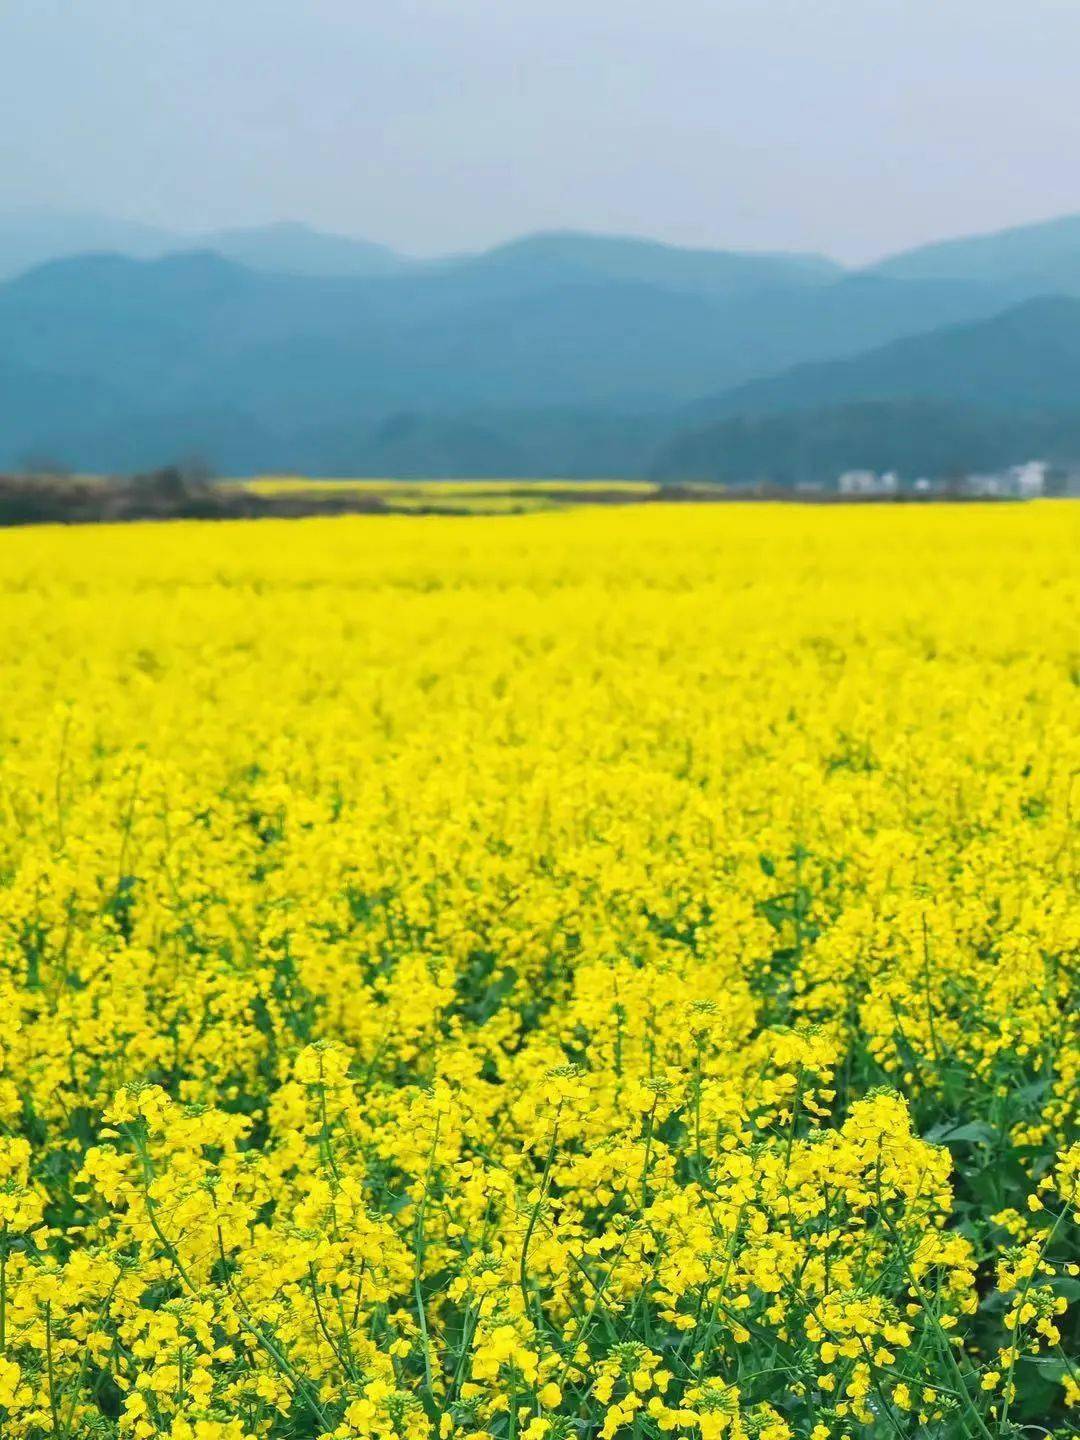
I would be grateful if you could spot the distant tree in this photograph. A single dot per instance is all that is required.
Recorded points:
(194, 470)
(172, 484)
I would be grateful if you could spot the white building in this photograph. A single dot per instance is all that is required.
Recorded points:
(868, 482)
(1021, 482)
(990, 485)
(858, 482)
(1028, 481)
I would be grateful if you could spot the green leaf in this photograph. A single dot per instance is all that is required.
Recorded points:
(973, 1132)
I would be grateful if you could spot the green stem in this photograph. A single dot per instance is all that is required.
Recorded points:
(523, 1277)
(418, 1249)
(53, 1408)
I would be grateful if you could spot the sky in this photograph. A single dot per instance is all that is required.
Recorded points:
(854, 127)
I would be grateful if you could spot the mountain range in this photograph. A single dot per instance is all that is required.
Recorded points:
(283, 348)
(30, 238)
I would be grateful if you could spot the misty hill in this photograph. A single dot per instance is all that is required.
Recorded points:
(572, 336)
(1026, 358)
(914, 437)
(558, 354)
(289, 248)
(1021, 261)
(975, 396)
(1036, 258)
(571, 255)
(32, 238)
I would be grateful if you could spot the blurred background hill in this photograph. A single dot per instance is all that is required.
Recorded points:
(562, 354)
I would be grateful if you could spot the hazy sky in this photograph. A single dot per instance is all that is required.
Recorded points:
(852, 126)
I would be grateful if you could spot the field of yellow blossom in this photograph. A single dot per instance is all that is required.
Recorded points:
(604, 973)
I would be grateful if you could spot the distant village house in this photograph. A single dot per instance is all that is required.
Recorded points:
(1020, 482)
(868, 482)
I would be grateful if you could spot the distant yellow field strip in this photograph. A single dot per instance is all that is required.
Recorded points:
(437, 489)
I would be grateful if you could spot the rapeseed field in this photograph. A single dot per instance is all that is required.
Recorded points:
(606, 973)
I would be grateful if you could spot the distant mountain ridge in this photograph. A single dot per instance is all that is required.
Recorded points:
(1041, 257)
(197, 351)
(29, 239)
(290, 248)
(568, 254)
(982, 394)
(1025, 358)
(559, 353)
(293, 248)
(1043, 254)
